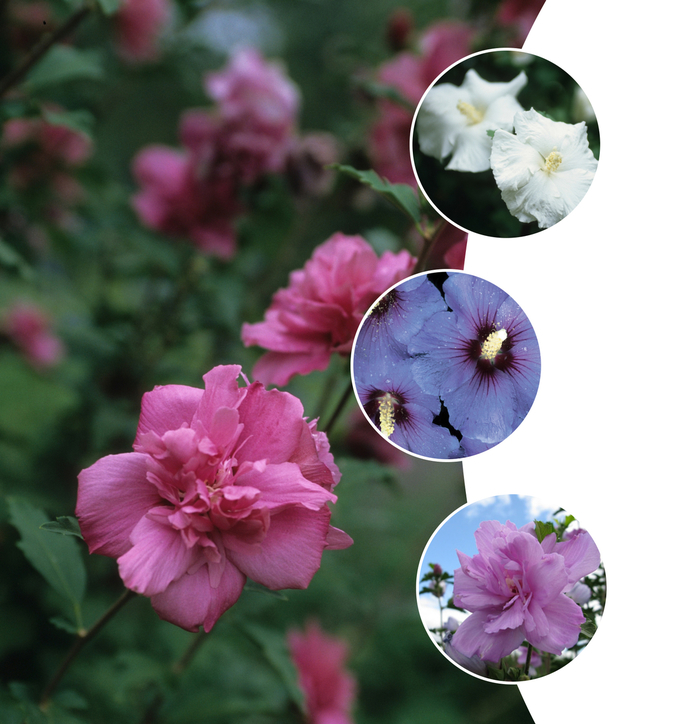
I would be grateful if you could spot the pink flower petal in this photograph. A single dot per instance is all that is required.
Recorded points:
(166, 408)
(191, 602)
(564, 617)
(274, 424)
(290, 554)
(283, 485)
(158, 557)
(113, 496)
(470, 639)
(337, 539)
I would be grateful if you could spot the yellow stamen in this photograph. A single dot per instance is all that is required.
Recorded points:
(386, 414)
(493, 343)
(472, 114)
(553, 161)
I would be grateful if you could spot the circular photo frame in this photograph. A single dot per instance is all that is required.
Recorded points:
(510, 588)
(445, 365)
(504, 144)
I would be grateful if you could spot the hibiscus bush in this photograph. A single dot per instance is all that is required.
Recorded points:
(199, 201)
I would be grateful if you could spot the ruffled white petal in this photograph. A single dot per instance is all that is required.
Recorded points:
(439, 121)
(472, 150)
(532, 189)
(513, 162)
(484, 93)
(444, 130)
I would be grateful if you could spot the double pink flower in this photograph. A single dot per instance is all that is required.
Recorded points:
(225, 483)
(318, 314)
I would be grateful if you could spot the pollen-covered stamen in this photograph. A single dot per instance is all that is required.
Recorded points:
(387, 417)
(493, 343)
(472, 114)
(553, 161)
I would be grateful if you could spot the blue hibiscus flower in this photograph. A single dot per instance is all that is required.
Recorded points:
(481, 359)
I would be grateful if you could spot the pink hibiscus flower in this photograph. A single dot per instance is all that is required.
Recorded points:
(329, 690)
(318, 314)
(29, 328)
(516, 589)
(175, 200)
(225, 483)
(139, 26)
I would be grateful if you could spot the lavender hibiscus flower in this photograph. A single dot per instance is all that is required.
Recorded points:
(516, 588)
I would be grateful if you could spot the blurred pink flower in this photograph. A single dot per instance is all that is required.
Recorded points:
(176, 201)
(520, 15)
(195, 192)
(46, 153)
(516, 589)
(329, 690)
(449, 248)
(139, 25)
(257, 108)
(225, 483)
(411, 73)
(29, 328)
(318, 314)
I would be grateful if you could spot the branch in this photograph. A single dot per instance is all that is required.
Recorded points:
(39, 50)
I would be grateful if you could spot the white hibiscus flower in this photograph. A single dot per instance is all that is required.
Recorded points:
(455, 119)
(544, 169)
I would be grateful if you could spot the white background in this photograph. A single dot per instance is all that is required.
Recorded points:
(612, 294)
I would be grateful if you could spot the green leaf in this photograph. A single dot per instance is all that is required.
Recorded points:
(368, 472)
(11, 259)
(400, 195)
(109, 7)
(490, 133)
(81, 120)
(259, 588)
(57, 559)
(64, 624)
(63, 63)
(542, 530)
(388, 92)
(65, 525)
(567, 522)
(588, 628)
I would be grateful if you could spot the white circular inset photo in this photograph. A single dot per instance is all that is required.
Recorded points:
(505, 144)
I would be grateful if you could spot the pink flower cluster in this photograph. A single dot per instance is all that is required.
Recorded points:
(139, 24)
(29, 328)
(46, 153)
(329, 690)
(224, 483)
(318, 314)
(516, 589)
(411, 73)
(195, 192)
